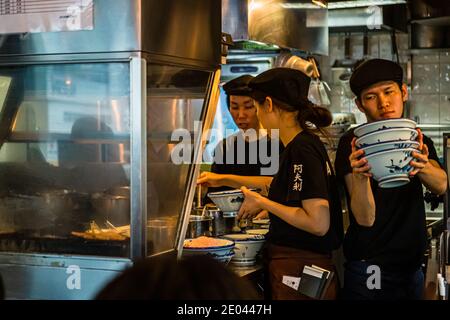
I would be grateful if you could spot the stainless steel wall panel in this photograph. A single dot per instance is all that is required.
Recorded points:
(116, 28)
(189, 29)
(183, 28)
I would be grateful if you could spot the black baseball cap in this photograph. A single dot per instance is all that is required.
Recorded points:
(284, 84)
(373, 71)
(238, 86)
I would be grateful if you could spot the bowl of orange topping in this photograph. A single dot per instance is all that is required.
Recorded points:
(219, 249)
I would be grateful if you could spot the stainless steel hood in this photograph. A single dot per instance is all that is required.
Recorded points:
(152, 26)
(369, 18)
(290, 24)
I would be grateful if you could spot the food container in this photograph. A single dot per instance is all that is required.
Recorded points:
(259, 232)
(391, 168)
(219, 249)
(427, 36)
(387, 135)
(199, 226)
(261, 223)
(383, 125)
(247, 248)
(385, 146)
(221, 223)
(114, 208)
(228, 201)
(161, 233)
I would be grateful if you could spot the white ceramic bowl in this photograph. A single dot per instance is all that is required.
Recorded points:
(384, 146)
(225, 259)
(383, 125)
(393, 181)
(261, 223)
(260, 232)
(391, 165)
(388, 135)
(218, 252)
(247, 248)
(227, 201)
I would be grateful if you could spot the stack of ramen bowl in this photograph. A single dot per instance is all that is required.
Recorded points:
(388, 147)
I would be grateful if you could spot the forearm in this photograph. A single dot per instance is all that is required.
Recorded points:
(235, 181)
(362, 202)
(299, 217)
(433, 178)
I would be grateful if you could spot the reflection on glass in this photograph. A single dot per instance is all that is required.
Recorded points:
(66, 155)
(223, 126)
(5, 82)
(175, 101)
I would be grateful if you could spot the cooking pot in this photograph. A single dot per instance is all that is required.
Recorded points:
(199, 226)
(421, 9)
(161, 234)
(52, 213)
(115, 209)
(222, 223)
(427, 36)
(112, 205)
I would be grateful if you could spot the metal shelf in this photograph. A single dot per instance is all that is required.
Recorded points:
(42, 137)
(427, 50)
(27, 137)
(438, 127)
(438, 21)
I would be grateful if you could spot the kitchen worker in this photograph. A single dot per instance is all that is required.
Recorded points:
(239, 154)
(386, 241)
(303, 199)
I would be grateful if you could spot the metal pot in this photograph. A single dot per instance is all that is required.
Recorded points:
(115, 209)
(49, 213)
(161, 234)
(222, 224)
(426, 36)
(199, 226)
(123, 191)
(421, 9)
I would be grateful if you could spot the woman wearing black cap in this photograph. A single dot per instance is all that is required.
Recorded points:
(240, 154)
(303, 201)
(386, 241)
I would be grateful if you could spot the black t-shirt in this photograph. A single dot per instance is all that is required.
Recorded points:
(246, 161)
(397, 240)
(305, 173)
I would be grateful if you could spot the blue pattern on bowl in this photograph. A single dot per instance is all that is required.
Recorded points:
(383, 125)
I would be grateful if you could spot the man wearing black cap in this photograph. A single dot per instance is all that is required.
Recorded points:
(239, 154)
(386, 240)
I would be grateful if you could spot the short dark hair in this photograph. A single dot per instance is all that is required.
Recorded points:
(166, 278)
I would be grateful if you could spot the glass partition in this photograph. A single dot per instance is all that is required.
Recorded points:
(64, 158)
(176, 101)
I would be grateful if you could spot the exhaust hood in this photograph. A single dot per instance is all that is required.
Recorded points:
(278, 22)
(389, 16)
